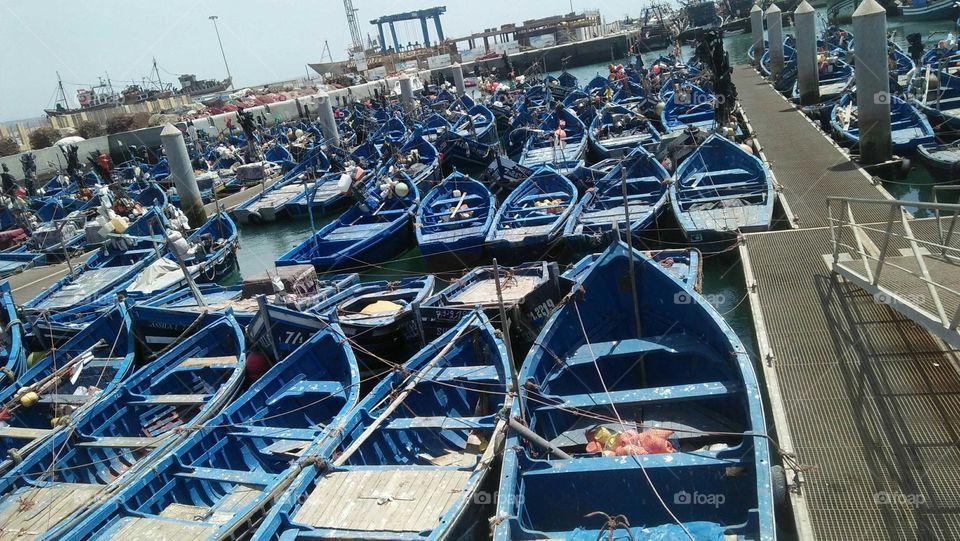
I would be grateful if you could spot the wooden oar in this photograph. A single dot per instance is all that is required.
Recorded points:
(355, 446)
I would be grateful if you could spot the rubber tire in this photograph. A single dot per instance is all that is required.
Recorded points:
(778, 482)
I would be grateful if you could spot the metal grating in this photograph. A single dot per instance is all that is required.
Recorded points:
(871, 399)
(807, 166)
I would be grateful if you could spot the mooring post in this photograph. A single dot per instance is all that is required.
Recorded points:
(328, 121)
(183, 178)
(873, 82)
(756, 32)
(458, 78)
(775, 39)
(406, 92)
(808, 78)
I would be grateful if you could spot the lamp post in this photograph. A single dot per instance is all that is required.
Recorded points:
(223, 54)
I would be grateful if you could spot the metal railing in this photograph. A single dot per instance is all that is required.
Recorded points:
(923, 284)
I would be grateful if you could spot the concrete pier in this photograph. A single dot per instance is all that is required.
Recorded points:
(181, 170)
(328, 122)
(756, 32)
(458, 78)
(873, 82)
(808, 78)
(775, 39)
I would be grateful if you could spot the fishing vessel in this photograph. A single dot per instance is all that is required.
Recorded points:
(433, 424)
(908, 127)
(453, 219)
(721, 189)
(633, 406)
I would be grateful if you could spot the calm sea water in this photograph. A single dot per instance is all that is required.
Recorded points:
(723, 282)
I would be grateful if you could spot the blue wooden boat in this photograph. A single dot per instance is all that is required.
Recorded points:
(120, 436)
(19, 260)
(380, 318)
(373, 231)
(721, 189)
(603, 389)
(392, 131)
(417, 158)
(618, 129)
(923, 10)
(421, 443)
(943, 158)
(561, 85)
(272, 203)
(107, 271)
(789, 57)
(599, 216)
(137, 273)
(13, 351)
(939, 101)
(684, 264)
(225, 475)
(908, 127)
(690, 108)
(530, 291)
(47, 395)
(833, 80)
(472, 140)
(325, 196)
(159, 321)
(533, 216)
(597, 86)
(454, 218)
(582, 104)
(560, 142)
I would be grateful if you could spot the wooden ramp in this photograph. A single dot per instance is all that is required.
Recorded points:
(388, 499)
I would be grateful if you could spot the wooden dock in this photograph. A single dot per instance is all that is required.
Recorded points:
(866, 401)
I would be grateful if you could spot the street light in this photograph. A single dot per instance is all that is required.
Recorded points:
(217, 30)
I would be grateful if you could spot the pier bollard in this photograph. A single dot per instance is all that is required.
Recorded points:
(775, 37)
(873, 82)
(328, 121)
(183, 178)
(458, 78)
(406, 92)
(756, 32)
(808, 78)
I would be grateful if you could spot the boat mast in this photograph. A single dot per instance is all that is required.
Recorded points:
(63, 95)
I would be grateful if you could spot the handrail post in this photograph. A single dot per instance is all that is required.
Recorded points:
(860, 247)
(886, 242)
(924, 272)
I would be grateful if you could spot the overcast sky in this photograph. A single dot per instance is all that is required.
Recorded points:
(265, 40)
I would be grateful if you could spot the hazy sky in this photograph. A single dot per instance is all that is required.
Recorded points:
(266, 40)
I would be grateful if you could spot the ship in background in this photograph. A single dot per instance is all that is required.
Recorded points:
(103, 96)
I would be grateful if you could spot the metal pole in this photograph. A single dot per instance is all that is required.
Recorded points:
(223, 54)
(505, 329)
(630, 266)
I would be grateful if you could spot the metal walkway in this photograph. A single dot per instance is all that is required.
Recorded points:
(866, 400)
(807, 166)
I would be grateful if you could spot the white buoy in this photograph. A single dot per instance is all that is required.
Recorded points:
(328, 121)
(181, 171)
(873, 82)
(756, 32)
(808, 77)
(775, 39)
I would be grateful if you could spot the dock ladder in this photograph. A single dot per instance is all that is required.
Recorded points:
(910, 263)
